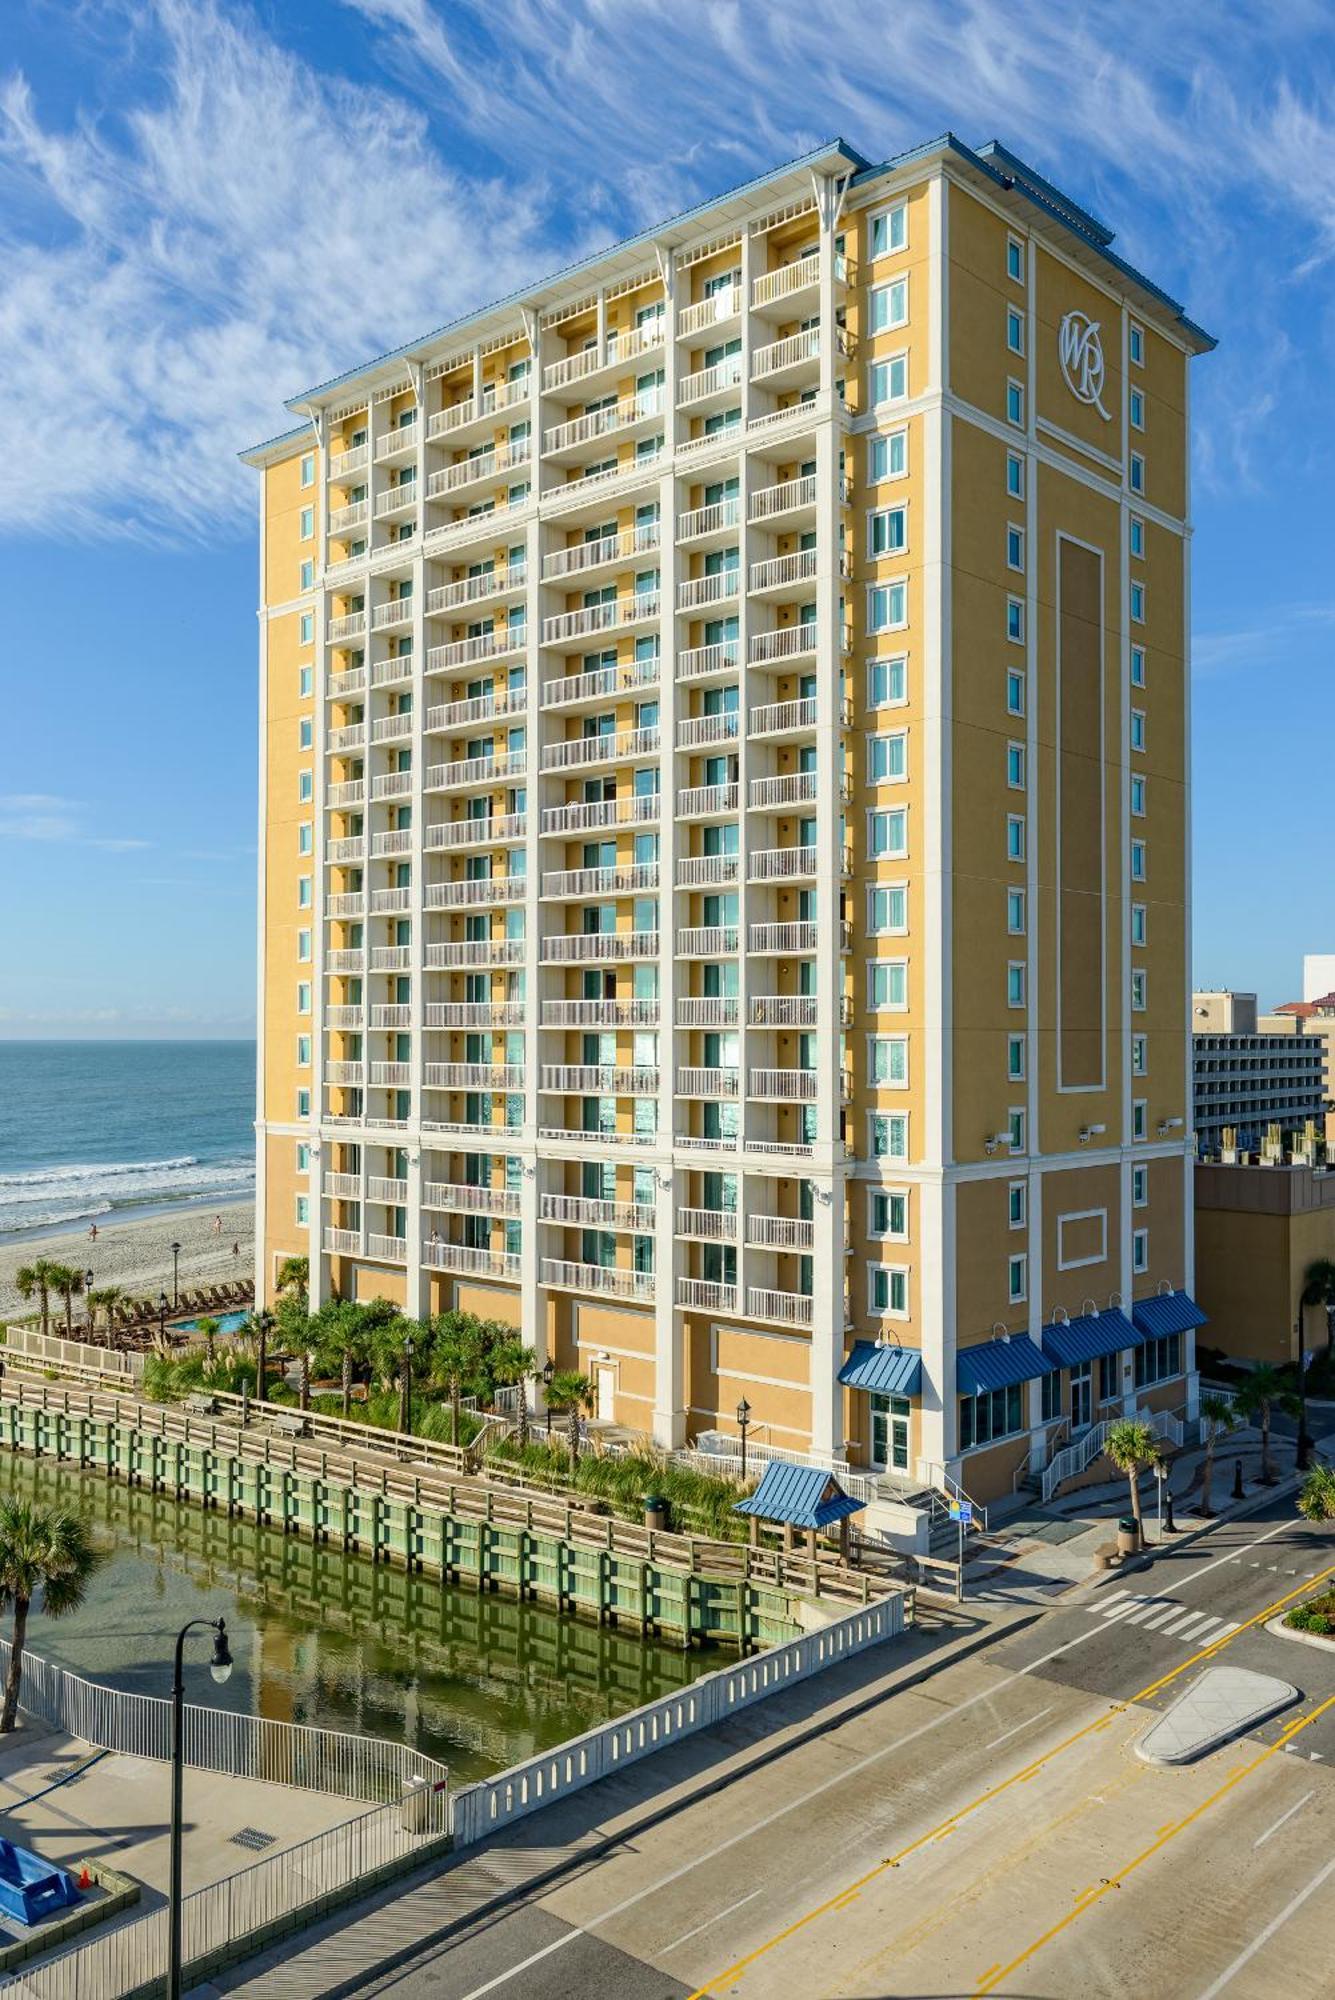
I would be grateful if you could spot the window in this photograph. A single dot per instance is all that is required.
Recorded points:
(308, 575)
(1050, 1396)
(889, 305)
(1138, 666)
(1015, 1058)
(1015, 766)
(1015, 329)
(1014, 402)
(307, 523)
(1015, 837)
(888, 910)
(305, 787)
(303, 996)
(1137, 535)
(887, 683)
(1138, 924)
(1015, 259)
(1135, 344)
(1017, 1204)
(888, 531)
(890, 1135)
(1136, 404)
(305, 732)
(1137, 861)
(303, 1051)
(888, 1060)
(888, 985)
(305, 838)
(1139, 1118)
(303, 1104)
(1015, 620)
(994, 1414)
(1137, 729)
(1015, 912)
(1015, 475)
(1139, 989)
(888, 231)
(888, 1215)
(890, 379)
(887, 607)
(306, 628)
(305, 682)
(303, 947)
(887, 834)
(303, 892)
(888, 1289)
(1139, 1055)
(1158, 1360)
(1138, 796)
(1014, 691)
(308, 468)
(1015, 1129)
(1017, 1277)
(1016, 975)
(303, 1157)
(1015, 548)
(1140, 1187)
(1136, 478)
(887, 758)
(1138, 603)
(303, 1210)
(888, 456)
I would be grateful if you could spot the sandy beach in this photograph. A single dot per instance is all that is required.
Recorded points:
(136, 1254)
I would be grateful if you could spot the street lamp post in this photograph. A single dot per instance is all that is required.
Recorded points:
(406, 1388)
(263, 1328)
(162, 1319)
(220, 1666)
(176, 1269)
(1303, 1455)
(743, 1425)
(88, 1299)
(548, 1372)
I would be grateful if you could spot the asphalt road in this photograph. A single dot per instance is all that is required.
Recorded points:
(988, 1829)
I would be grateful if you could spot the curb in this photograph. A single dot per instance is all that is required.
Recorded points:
(1185, 1536)
(1283, 1631)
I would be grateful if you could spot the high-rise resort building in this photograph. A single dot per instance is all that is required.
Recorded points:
(724, 879)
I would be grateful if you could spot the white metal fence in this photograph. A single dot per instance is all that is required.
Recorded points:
(221, 1918)
(482, 1809)
(35, 1345)
(218, 1739)
(1073, 1458)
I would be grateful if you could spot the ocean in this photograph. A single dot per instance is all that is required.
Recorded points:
(94, 1129)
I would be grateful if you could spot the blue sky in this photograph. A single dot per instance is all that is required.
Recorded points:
(207, 207)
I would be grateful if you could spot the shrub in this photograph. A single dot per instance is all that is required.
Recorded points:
(1317, 1615)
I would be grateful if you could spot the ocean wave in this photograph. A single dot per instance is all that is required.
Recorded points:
(66, 1195)
(106, 1170)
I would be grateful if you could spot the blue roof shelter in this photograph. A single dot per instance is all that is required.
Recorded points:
(883, 1370)
(1171, 1312)
(1090, 1336)
(799, 1496)
(998, 1364)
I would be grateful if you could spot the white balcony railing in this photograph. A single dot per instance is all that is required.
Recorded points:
(476, 589)
(621, 1284)
(711, 1083)
(715, 519)
(783, 1086)
(343, 464)
(725, 656)
(779, 1232)
(488, 830)
(706, 382)
(598, 947)
(779, 571)
(779, 356)
(784, 498)
(494, 645)
(700, 871)
(495, 396)
(788, 642)
(707, 1294)
(607, 548)
(698, 730)
(462, 1198)
(706, 940)
(716, 588)
(629, 879)
(578, 751)
(452, 715)
(464, 1258)
(601, 683)
(589, 619)
(721, 305)
(583, 1212)
(713, 1225)
(595, 424)
(467, 771)
(599, 1080)
(704, 801)
(630, 809)
(788, 1308)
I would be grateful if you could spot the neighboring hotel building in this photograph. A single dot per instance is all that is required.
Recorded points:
(1252, 1076)
(725, 883)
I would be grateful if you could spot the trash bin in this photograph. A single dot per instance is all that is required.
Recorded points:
(1128, 1536)
(415, 1807)
(655, 1511)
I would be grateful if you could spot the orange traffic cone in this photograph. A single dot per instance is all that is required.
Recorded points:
(85, 1879)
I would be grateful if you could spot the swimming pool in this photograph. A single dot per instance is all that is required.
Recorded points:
(231, 1322)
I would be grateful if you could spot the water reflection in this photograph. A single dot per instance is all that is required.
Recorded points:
(333, 1640)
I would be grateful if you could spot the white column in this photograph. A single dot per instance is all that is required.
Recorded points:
(669, 1418)
(532, 1300)
(319, 1283)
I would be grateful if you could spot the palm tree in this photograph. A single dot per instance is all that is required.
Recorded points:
(1132, 1445)
(105, 1301)
(1319, 1288)
(40, 1549)
(455, 1356)
(1265, 1391)
(304, 1380)
(63, 1278)
(1317, 1498)
(209, 1328)
(37, 1277)
(1219, 1416)
(570, 1391)
(512, 1363)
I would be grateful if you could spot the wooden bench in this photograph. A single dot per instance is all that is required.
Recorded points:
(291, 1423)
(200, 1406)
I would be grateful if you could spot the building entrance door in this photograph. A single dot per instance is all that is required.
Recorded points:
(890, 1432)
(607, 1390)
(1082, 1396)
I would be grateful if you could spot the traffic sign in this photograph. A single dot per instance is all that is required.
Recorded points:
(962, 1511)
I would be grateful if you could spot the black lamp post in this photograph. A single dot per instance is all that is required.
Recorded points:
(1303, 1455)
(406, 1388)
(162, 1317)
(263, 1328)
(88, 1299)
(176, 1266)
(220, 1666)
(548, 1371)
(743, 1425)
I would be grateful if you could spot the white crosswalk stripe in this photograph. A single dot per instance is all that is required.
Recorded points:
(1163, 1615)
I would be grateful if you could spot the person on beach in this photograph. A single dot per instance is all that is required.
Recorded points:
(217, 1225)
(92, 1232)
(236, 1249)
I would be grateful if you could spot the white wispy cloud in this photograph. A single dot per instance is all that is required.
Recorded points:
(43, 817)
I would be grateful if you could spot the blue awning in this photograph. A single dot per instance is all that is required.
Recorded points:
(1171, 1312)
(997, 1364)
(1092, 1335)
(804, 1496)
(882, 1370)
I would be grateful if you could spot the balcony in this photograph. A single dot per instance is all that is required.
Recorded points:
(343, 464)
(784, 718)
(343, 1017)
(578, 1211)
(787, 642)
(788, 1308)
(343, 1242)
(468, 1262)
(578, 752)
(398, 611)
(569, 377)
(629, 809)
(698, 731)
(780, 1232)
(706, 1294)
(392, 1075)
(600, 1013)
(583, 556)
(395, 1016)
(575, 437)
(469, 772)
(339, 686)
(620, 1284)
(461, 1197)
(598, 947)
(601, 684)
(707, 801)
(497, 463)
(379, 1188)
(397, 443)
(719, 1010)
(708, 871)
(708, 1225)
(720, 518)
(488, 830)
(628, 880)
(709, 386)
(793, 788)
(598, 1080)
(351, 904)
(391, 958)
(344, 1072)
(568, 627)
(716, 310)
(801, 937)
(697, 593)
(399, 499)
(789, 496)
(470, 590)
(783, 1086)
(710, 1083)
(796, 281)
(390, 902)
(392, 785)
(784, 362)
(707, 941)
(705, 662)
(495, 397)
(392, 728)
(625, 475)
(352, 960)
(386, 672)
(475, 1014)
(474, 1076)
(342, 519)
(498, 644)
(351, 625)
(782, 864)
(480, 528)
(596, 1139)
(782, 576)
(468, 953)
(471, 895)
(343, 1187)
(453, 715)
(351, 736)
(398, 840)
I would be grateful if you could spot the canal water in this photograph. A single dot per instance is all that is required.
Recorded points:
(320, 1637)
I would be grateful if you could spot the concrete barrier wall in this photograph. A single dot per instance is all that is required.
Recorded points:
(483, 1809)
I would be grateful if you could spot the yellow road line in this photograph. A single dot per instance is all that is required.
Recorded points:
(995, 1973)
(733, 1972)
